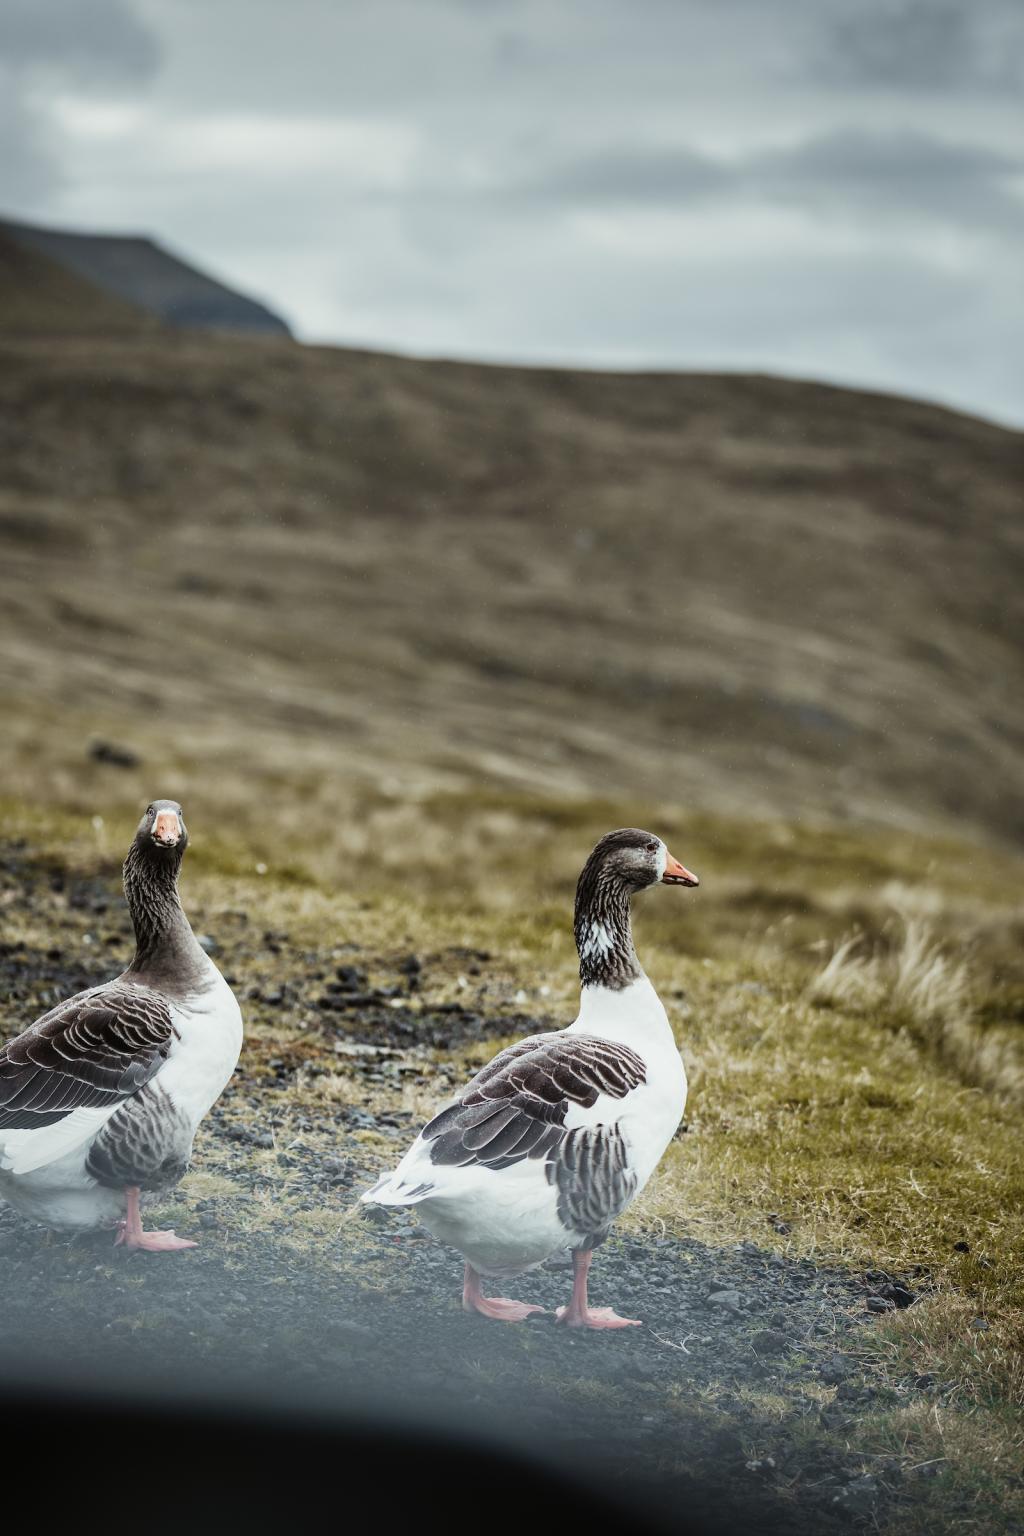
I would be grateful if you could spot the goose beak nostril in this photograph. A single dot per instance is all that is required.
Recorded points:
(166, 829)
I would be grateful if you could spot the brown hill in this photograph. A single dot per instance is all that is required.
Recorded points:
(722, 590)
(39, 295)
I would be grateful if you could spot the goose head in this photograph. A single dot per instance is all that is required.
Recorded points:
(162, 832)
(636, 859)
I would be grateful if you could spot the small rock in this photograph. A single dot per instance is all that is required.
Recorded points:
(980, 1324)
(880, 1304)
(900, 1295)
(834, 1369)
(376, 1213)
(729, 1301)
(961, 1247)
(770, 1341)
(114, 754)
(859, 1495)
(924, 1381)
(764, 1466)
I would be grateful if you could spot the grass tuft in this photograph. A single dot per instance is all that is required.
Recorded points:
(917, 985)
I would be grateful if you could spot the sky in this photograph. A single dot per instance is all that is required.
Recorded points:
(830, 189)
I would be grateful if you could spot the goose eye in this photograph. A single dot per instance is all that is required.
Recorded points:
(652, 847)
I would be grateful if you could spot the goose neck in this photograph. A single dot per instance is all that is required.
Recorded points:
(166, 950)
(604, 935)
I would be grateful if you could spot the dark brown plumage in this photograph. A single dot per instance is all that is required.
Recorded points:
(92, 1050)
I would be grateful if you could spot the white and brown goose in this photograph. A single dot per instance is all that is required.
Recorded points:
(100, 1098)
(551, 1141)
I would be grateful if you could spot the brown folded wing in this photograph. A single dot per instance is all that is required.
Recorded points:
(517, 1105)
(95, 1049)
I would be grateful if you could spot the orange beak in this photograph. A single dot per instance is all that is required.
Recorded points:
(677, 874)
(167, 828)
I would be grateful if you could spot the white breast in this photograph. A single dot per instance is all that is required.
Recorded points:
(205, 1050)
(648, 1116)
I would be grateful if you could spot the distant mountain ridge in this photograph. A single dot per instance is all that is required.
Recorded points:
(139, 271)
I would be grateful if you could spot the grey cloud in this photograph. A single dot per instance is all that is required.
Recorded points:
(902, 174)
(922, 45)
(87, 45)
(29, 166)
(899, 174)
(89, 42)
(635, 174)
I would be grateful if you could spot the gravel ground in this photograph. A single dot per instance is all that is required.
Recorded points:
(742, 1394)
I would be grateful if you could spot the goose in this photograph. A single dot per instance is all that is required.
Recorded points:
(553, 1139)
(100, 1098)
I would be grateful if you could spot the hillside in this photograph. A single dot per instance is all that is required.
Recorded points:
(733, 592)
(132, 269)
(40, 296)
(406, 638)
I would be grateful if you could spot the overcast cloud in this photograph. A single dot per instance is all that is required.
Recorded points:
(807, 187)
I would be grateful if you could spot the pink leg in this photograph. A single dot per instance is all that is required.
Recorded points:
(579, 1314)
(499, 1307)
(131, 1235)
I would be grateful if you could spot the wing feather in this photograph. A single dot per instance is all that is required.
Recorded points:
(90, 1052)
(516, 1106)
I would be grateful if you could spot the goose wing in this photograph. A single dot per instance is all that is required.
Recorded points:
(82, 1059)
(519, 1104)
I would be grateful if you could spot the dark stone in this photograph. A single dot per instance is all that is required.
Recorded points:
(835, 1368)
(350, 977)
(770, 1341)
(113, 754)
(859, 1495)
(728, 1300)
(900, 1295)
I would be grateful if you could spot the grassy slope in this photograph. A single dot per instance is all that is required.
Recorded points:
(848, 1126)
(742, 592)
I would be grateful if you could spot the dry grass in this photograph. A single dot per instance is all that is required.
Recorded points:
(918, 985)
(849, 980)
(961, 1447)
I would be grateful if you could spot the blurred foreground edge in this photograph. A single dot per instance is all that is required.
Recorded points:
(226, 1465)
